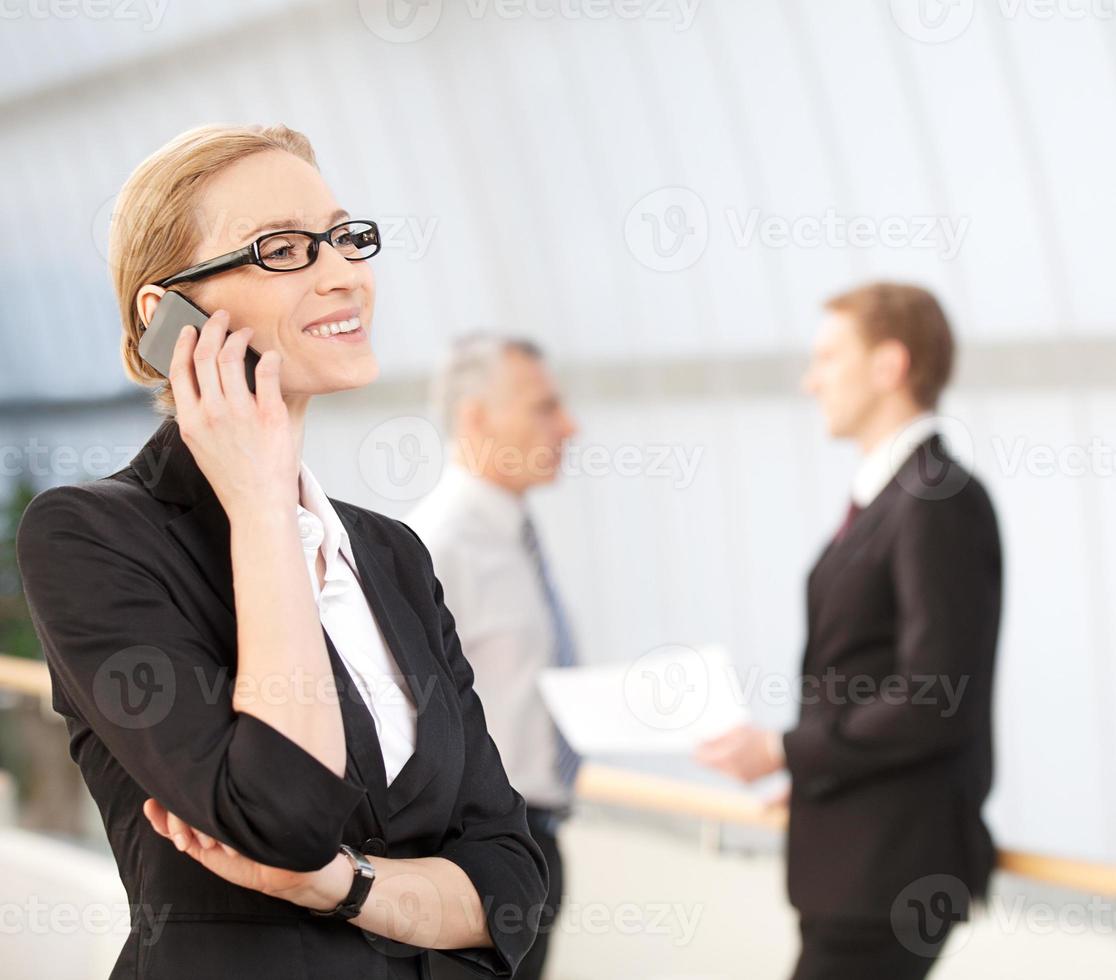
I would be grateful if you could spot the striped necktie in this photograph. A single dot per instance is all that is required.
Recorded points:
(568, 760)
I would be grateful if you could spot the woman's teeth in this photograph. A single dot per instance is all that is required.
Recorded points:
(329, 329)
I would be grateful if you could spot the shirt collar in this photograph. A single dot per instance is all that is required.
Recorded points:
(503, 510)
(879, 467)
(313, 500)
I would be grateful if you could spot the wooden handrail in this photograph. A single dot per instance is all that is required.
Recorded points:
(642, 791)
(659, 794)
(24, 676)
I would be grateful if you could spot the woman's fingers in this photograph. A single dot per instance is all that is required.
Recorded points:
(209, 345)
(269, 397)
(230, 366)
(183, 380)
(167, 825)
(156, 816)
(179, 831)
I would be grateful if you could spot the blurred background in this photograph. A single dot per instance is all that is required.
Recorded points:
(661, 193)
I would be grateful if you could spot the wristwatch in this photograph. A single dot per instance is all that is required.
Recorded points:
(364, 873)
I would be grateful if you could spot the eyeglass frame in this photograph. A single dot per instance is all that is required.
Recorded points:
(250, 254)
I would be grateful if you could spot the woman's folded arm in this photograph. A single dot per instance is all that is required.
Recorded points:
(127, 662)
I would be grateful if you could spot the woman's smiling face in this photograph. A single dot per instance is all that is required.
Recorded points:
(270, 191)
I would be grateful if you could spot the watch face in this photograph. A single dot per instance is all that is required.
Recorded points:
(361, 865)
(365, 867)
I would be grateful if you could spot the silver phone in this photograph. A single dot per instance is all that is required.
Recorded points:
(174, 311)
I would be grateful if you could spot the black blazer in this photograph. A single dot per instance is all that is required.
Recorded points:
(129, 581)
(886, 794)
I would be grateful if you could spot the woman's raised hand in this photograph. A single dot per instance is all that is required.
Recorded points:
(243, 444)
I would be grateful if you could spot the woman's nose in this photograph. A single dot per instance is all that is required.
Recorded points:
(334, 270)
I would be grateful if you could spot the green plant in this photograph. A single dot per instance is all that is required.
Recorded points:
(17, 635)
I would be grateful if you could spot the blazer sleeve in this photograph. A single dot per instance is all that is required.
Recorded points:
(947, 580)
(127, 662)
(489, 839)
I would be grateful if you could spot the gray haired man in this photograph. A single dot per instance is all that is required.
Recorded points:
(507, 428)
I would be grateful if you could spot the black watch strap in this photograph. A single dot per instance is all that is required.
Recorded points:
(364, 873)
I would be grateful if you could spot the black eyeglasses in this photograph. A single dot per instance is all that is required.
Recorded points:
(288, 251)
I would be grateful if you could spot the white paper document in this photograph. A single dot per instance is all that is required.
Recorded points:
(666, 701)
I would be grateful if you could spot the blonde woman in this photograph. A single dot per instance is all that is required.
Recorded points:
(263, 687)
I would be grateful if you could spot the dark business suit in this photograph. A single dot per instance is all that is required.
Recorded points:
(129, 581)
(885, 813)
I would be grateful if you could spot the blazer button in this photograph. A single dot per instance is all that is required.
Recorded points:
(375, 846)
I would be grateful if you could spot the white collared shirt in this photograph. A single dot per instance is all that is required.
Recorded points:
(352, 627)
(474, 529)
(879, 467)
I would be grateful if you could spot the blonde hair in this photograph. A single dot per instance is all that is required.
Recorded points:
(153, 232)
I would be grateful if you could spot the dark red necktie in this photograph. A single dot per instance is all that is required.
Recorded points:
(850, 516)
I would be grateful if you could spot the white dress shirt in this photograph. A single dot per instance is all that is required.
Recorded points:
(348, 620)
(474, 529)
(879, 467)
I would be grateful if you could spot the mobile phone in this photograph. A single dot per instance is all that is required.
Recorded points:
(173, 312)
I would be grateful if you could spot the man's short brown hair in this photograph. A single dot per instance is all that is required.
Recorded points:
(912, 316)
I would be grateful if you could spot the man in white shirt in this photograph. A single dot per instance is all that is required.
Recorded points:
(506, 427)
(891, 757)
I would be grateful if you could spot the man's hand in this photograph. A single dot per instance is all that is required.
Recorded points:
(744, 752)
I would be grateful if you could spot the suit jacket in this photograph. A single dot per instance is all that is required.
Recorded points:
(889, 775)
(129, 582)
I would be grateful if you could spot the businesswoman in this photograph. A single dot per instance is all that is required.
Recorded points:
(263, 687)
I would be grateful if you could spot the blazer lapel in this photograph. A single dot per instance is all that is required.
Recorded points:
(408, 643)
(362, 744)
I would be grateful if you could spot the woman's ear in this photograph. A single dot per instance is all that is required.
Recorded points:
(146, 300)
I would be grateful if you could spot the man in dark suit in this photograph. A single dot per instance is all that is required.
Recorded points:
(891, 759)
